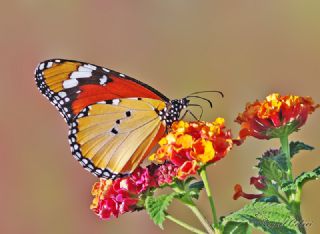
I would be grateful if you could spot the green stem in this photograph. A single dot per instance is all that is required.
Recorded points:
(295, 208)
(286, 149)
(283, 198)
(203, 174)
(294, 203)
(201, 218)
(184, 225)
(190, 204)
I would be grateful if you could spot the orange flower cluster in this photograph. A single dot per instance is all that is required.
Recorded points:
(192, 145)
(275, 116)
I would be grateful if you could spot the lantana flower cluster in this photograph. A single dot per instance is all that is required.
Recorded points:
(186, 148)
(191, 145)
(112, 198)
(274, 116)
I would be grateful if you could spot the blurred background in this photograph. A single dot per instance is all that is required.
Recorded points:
(247, 49)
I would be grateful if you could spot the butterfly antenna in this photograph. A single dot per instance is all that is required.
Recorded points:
(208, 91)
(188, 111)
(205, 99)
(197, 105)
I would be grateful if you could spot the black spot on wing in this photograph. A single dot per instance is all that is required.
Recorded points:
(77, 153)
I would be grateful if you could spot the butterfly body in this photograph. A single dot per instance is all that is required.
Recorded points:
(114, 120)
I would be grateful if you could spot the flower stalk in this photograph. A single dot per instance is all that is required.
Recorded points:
(184, 225)
(295, 202)
(201, 218)
(204, 177)
(284, 140)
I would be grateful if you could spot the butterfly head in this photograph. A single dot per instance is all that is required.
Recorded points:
(172, 110)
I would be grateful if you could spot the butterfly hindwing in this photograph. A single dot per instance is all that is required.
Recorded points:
(110, 138)
(72, 85)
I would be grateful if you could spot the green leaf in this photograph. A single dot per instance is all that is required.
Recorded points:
(157, 206)
(276, 155)
(189, 180)
(198, 185)
(273, 218)
(272, 198)
(317, 170)
(307, 176)
(289, 188)
(271, 170)
(281, 159)
(237, 228)
(194, 189)
(296, 146)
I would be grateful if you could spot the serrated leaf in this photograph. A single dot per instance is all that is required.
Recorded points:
(296, 146)
(271, 189)
(271, 170)
(289, 187)
(317, 170)
(279, 157)
(157, 206)
(307, 176)
(236, 228)
(273, 218)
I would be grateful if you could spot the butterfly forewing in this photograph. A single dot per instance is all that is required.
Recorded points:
(72, 85)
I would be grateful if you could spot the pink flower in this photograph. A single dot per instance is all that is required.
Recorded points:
(122, 195)
(165, 173)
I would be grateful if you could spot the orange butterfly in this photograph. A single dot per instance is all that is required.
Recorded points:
(114, 120)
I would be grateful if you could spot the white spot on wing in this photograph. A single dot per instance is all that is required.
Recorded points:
(92, 67)
(122, 75)
(105, 69)
(70, 83)
(115, 102)
(49, 64)
(62, 94)
(41, 66)
(103, 80)
(78, 74)
(84, 69)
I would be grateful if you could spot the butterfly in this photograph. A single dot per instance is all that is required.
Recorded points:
(114, 120)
